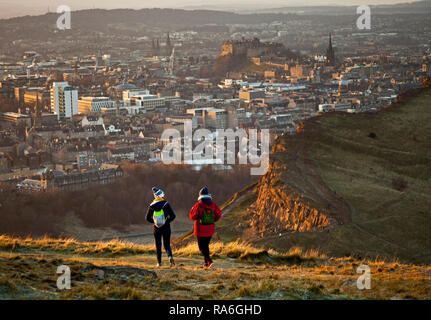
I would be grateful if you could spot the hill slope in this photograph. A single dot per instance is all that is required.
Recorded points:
(347, 185)
(118, 270)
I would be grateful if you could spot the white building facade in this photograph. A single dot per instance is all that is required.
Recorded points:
(64, 100)
(94, 104)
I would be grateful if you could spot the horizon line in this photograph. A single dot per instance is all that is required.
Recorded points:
(236, 10)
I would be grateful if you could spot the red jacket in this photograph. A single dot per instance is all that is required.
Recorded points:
(196, 214)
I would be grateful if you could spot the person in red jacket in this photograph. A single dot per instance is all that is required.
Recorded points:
(205, 213)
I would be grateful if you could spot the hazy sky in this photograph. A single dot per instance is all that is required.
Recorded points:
(11, 8)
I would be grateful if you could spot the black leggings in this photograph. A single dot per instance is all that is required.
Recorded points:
(204, 247)
(164, 232)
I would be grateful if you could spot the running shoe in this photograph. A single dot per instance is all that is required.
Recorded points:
(171, 260)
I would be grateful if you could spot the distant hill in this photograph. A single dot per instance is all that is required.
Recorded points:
(154, 17)
(228, 63)
(27, 7)
(124, 22)
(347, 185)
(418, 7)
(217, 13)
(132, 22)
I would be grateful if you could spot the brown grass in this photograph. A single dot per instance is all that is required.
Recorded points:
(28, 271)
(237, 249)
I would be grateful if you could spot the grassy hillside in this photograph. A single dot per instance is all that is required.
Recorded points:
(28, 271)
(348, 185)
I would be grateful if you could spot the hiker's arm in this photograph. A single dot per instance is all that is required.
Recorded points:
(170, 212)
(217, 213)
(149, 216)
(194, 213)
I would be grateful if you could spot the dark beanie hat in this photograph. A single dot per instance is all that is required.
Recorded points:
(158, 192)
(204, 193)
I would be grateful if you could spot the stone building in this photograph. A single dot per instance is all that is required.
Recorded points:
(60, 181)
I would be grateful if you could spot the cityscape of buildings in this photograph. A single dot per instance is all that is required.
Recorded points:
(72, 112)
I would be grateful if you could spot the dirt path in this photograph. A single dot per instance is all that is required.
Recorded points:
(238, 200)
(140, 238)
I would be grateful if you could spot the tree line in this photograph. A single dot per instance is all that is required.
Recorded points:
(117, 205)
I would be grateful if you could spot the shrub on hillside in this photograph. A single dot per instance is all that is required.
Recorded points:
(399, 183)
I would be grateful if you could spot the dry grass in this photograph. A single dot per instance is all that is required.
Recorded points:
(237, 249)
(113, 247)
(247, 253)
(28, 271)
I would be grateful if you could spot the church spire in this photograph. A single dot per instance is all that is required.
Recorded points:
(330, 55)
(168, 40)
(168, 45)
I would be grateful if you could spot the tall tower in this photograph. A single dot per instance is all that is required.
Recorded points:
(172, 62)
(157, 47)
(340, 83)
(330, 54)
(153, 48)
(168, 45)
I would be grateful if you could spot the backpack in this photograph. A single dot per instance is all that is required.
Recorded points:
(159, 217)
(207, 217)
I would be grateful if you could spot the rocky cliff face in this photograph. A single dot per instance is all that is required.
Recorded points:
(281, 209)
